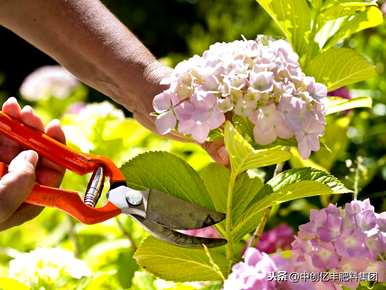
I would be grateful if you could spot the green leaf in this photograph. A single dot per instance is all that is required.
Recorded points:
(142, 281)
(335, 127)
(337, 9)
(289, 185)
(245, 190)
(337, 104)
(168, 173)
(371, 17)
(179, 264)
(216, 179)
(243, 156)
(339, 67)
(294, 19)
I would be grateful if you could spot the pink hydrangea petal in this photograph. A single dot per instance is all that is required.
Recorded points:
(303, 146)
(165, 122)
(162, 102)
(216, 119)
(264, 135)
(200, 132)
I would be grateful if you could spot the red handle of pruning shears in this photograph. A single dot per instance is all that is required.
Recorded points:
(59, 153)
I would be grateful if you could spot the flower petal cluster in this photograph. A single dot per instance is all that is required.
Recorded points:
(46, 264)
(350, 240)
(260, 80)
(278, 238)
(252, 273)
(47, 81)
(341, 240)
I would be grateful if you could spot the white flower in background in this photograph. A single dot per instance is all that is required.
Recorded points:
(260, 80)
(48, 81)
(46, 264)
(80, 127)
(100, 110)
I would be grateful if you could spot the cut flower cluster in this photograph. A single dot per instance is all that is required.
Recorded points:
(260, 80)
(336, 240)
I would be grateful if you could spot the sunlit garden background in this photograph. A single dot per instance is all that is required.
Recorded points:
(39, 253)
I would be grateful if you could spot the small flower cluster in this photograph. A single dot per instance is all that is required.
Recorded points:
(49, 81)
(342, 240)
(349, 240)
(252, 273)
(278, 238)
(260, 80)
(46, 264)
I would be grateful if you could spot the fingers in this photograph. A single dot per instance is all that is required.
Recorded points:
(24, 213)
(9, 148)
(49, 173)
(217, 150)
(29, 118)
(12, 108)
(17, 183)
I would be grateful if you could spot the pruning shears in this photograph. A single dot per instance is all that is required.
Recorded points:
(160, 213)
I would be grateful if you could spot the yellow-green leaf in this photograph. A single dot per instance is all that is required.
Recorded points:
(243, 156)
(179, 264)
(294, 19)
(339, 67)
(337, 9)
(338, 104)
(288, 185)
(371, 17)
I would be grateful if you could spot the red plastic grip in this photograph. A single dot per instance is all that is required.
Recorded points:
(59, 153)
(55, 151)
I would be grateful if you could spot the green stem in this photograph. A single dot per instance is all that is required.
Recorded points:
(215, 267)
(260, 228)
(73, 236)
(253, 241)
(126, 233)
(356, 182)
(228, 225)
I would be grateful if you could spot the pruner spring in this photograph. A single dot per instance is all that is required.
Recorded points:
(94, 187)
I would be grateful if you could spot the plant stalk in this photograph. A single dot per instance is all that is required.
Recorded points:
(228, 225)
(260, 228)
(126, 234)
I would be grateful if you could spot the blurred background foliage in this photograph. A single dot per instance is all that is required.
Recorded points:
(173, 30)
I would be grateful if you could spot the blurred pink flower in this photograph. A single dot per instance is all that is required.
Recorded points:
(48, 81)
(341, 92)
(278, 238)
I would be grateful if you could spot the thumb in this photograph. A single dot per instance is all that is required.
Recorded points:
(17, 183)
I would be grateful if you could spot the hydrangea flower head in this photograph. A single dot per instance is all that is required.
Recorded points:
(252, 273)
(46, 264)
(47, 81)
(341, 240)
(260, 80)
(335, 240)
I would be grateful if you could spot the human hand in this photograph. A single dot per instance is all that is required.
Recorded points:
(25, 168)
